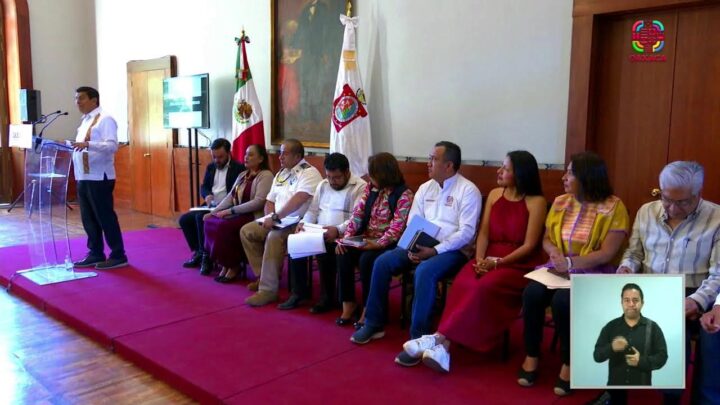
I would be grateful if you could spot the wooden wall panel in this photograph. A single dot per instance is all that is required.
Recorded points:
(632, 107)
(415, 174)
(591, 7)
(695, 123)
(123, 182)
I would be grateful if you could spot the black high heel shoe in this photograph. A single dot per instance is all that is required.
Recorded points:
(340, 321)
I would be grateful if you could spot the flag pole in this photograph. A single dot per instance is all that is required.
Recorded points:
(348, 8)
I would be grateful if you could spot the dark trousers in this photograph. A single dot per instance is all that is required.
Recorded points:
(346, 263)
(536, 299)
(98, 217)
(327, 268)
(193, 228)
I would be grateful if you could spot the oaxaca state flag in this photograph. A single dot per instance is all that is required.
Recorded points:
(247, 124)
(350, 126)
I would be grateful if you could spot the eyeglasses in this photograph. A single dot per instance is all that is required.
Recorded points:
(682, 204)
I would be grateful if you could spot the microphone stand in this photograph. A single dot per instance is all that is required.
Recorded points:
(38, 141)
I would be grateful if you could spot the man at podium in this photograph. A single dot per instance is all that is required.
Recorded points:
(94, 162)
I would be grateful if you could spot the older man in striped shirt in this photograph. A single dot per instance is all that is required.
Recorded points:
(680, 234)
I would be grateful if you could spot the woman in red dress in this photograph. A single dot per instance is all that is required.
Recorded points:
(486, 296)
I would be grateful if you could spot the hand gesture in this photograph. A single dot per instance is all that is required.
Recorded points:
(268, 223)
(691, 309)
(710, 321)
(331, 233)
(340, 249)
(559, 262)
(619, 343)
(624, 270)
(632, 360)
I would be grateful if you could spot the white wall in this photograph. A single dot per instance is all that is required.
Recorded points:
(491, 75)
(202, 36)
(62, 35)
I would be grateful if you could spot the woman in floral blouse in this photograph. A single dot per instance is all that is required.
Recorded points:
(379, 218)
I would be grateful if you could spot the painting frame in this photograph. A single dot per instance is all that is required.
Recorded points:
(306, 43)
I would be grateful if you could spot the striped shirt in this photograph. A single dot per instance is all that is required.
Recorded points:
(692, 248)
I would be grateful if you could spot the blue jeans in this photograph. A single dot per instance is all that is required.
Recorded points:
(427, 275)
(706, 384)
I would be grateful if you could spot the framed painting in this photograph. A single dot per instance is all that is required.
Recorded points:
(306, 45)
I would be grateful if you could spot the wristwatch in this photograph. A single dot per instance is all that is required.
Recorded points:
(275, 217)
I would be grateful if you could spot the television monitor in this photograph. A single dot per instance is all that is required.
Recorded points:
(186, 102)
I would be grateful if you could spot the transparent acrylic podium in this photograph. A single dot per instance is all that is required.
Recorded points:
(46, 180)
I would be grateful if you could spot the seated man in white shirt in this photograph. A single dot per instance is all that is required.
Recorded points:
(290, 195)
(220, 175)
(331, 207)
(679, 234)
(449, 200)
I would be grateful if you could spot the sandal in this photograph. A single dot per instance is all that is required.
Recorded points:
(562, 387)
(527, 378)
(340, 321)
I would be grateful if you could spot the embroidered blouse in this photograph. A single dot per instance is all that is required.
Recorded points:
(380, 227)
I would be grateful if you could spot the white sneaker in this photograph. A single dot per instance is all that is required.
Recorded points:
(416, 347)
(437, 359)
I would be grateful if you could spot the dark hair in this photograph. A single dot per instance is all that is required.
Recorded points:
(221, 143)
(384, 168)
(91, 93)
(260, 149)
(525, 172)
(633, 286)
(336, 161)
(591, 172)
(296, 146)
(451, 154)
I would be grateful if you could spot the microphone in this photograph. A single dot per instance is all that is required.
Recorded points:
(44, 118)
(38, 138)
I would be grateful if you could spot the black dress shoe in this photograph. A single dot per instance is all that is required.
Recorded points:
(194, 261)
(321, 307)
(292, 302)
(206, 267)
(89, 261)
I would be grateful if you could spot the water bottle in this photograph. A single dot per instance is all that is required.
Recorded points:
(69, 264)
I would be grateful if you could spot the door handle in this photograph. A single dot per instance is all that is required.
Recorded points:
(655, 192)
(146, 155)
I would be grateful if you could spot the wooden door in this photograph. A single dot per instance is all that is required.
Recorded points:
(632, 109)
(695, 122)
(140, 168)
(151, 145)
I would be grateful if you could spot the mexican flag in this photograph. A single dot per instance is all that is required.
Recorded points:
(247, 124)
(350, 123)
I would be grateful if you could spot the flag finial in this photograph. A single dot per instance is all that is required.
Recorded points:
(348, 8)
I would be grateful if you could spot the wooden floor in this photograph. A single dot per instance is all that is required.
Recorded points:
(42, 361)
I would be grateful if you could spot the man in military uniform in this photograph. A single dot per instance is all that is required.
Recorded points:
(266, 244)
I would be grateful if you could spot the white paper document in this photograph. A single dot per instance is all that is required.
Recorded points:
(551, 281)
(306, 244)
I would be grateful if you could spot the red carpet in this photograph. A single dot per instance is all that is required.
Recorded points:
(198, 336)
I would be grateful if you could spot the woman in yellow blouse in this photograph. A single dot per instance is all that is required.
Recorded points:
(584, 232)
